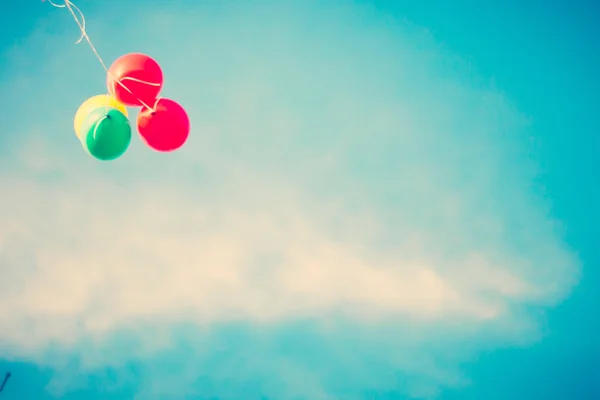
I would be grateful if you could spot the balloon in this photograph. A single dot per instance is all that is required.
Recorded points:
(138, 73)
(166, 128)
(106, 133)
(101, 100)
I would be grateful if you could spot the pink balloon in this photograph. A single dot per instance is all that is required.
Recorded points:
(140, 78)
(166, 128)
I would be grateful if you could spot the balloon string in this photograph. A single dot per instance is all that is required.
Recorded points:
(81, 24)
(98, 125)
(6, 378)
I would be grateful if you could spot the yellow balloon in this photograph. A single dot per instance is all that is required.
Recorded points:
(101, 100)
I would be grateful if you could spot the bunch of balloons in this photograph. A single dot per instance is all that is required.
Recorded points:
(102, 122)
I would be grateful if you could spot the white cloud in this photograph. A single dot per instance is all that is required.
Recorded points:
(335, 173)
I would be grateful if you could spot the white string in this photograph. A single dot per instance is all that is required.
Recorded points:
(98, 125)
(81, 24)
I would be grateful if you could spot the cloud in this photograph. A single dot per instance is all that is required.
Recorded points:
(348, 190)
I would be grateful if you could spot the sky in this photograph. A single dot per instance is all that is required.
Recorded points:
(378, 200)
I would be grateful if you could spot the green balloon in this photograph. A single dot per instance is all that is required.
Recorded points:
(106, 133)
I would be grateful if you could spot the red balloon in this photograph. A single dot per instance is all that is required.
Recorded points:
(138, 73)
(166, 128)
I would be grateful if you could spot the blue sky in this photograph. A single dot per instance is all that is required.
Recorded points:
(378, 200)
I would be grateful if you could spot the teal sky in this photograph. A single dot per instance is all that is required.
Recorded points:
(378, 200)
